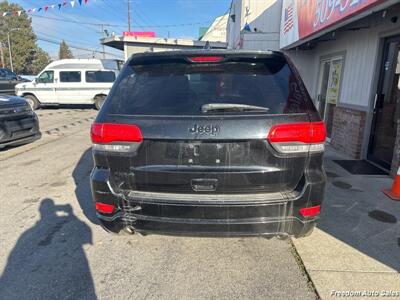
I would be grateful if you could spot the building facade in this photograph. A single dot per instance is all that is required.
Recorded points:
(348, 53)
(139, 42)
(217, 31)
(254, 24)
(132, 44)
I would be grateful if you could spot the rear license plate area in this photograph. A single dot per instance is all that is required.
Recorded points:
(203, 153)
(210, 153)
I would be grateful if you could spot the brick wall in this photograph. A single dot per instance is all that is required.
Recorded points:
(348, 131)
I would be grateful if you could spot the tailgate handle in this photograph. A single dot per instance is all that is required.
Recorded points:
(204, 185)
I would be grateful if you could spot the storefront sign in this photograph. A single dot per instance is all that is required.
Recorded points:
(140, 33)
(303, 18)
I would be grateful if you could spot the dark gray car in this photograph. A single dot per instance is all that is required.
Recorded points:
(209, 143)
(8, 81)
(18, 123)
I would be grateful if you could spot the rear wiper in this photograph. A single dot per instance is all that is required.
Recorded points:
(231, 107)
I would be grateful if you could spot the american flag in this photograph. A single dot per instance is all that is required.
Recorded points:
(288, 18)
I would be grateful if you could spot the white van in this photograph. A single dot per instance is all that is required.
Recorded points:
(71, 81)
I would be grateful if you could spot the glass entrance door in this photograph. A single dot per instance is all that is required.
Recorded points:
(386, 106)
(329, 87)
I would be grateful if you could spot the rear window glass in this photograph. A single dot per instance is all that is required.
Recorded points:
(70, 76)
(100, 76)
(184, 89)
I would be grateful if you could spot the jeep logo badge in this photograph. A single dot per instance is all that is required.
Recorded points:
(204, 129)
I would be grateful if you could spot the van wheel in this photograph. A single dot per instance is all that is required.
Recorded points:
(99, 101)
(32, 101)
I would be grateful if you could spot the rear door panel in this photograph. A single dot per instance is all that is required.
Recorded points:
(235, 159)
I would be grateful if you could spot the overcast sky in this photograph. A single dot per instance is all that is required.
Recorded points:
(186, 16)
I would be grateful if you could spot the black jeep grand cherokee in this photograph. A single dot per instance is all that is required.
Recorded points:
(208, 143)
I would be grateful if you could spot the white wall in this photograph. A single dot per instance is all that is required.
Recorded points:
(264, 15)
(217, 31)
(260, 41)
(362, 57)
(233, 28)
(307, 65)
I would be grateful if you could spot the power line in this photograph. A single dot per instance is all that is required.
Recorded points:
(218, 23)
(73, 46)
(124, 26)
(142, 16)
(77, 39)
(42, 31)
(57, 42)
(70, 21)
(118, 13)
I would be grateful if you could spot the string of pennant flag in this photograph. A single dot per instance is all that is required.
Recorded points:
(45, 8)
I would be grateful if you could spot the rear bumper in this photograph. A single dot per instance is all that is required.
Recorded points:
(288, 226)
(21, 141)
(209, 215)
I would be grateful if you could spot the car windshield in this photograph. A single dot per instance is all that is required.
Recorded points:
(185, 89)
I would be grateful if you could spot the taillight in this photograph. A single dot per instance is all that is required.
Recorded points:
(298, 137)
(312, 211)
(105, 208)
(203, 59)
(115, 137)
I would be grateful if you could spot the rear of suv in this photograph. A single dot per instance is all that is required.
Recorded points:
(211, 143)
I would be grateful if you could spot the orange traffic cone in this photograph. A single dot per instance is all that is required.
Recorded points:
(394, 193)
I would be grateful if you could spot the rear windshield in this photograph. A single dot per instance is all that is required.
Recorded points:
(186, 89)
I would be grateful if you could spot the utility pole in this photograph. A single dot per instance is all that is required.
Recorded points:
(9, 51)
(1, 48)
(1, 55)
(9, 47)
(129, 15)
(103, 33)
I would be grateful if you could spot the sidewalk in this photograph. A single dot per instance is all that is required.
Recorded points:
(356, 246)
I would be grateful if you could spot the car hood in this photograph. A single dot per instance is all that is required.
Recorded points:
(23, 84)
(10, 101)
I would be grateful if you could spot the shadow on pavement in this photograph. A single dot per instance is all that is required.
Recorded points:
(67, 106)
(48, 260)
(356, 212)
(81, 175)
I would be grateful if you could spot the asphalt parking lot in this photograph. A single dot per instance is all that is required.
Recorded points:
(53, 248)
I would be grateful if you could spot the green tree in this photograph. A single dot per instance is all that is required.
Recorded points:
(64, 51)
(27, 56)
(41, 60)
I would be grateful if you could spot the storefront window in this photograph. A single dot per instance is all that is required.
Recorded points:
(329, 89)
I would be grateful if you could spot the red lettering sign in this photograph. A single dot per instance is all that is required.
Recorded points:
(312, 16)
(140, 33)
